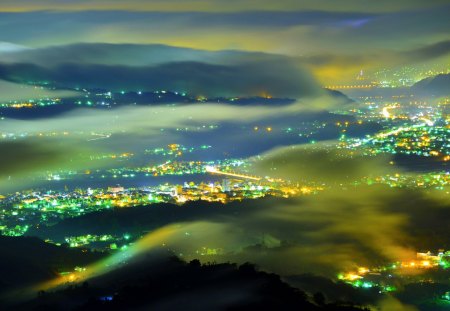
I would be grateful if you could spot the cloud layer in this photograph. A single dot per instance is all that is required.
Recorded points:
(10, 92)
(157, 67)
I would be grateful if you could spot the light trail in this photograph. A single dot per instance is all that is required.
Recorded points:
(99, 136)
(213, 170)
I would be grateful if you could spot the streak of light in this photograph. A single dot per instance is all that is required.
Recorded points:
(213, 170)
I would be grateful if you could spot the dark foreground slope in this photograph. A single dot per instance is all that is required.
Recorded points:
(25, 261)
(171, 284)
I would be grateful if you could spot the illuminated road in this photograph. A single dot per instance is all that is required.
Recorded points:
(386, 134)
(213, 170)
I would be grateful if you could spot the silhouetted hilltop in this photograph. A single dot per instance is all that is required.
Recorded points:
(436, 86)
(171, 284)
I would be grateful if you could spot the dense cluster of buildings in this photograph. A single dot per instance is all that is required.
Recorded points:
(21, 210)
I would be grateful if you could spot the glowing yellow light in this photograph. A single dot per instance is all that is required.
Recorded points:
(363, 270)
(352, 277)
(425, 263)
(305, 190)
(385, 112)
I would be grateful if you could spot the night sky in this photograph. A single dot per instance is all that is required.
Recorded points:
(335, 38)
